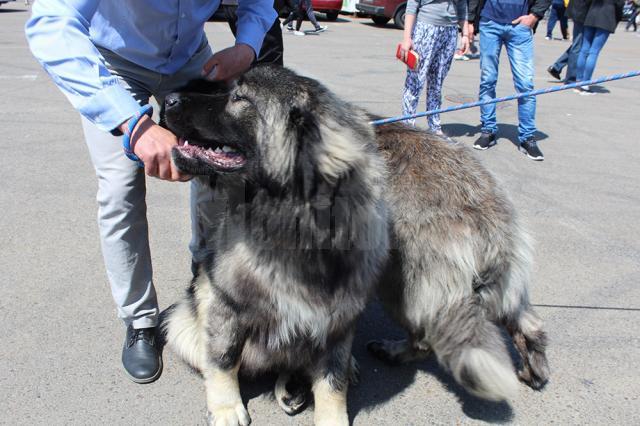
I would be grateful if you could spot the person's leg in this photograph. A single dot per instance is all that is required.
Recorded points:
(311, 14)
(561, 62)
(587, 38)
(124, 231)
(424, 38)
(122, 209)
(564, 21)
(553, 18)
(490, 45)
(519, 46)
(574, 52)
(438, 69)
(598, 41)
(300, 17)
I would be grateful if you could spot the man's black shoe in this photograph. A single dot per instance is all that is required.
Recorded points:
(554, 73)
(485, 141)
(140, 355)
(530, 148)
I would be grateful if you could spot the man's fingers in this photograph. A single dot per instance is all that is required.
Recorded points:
(516, 21)
(151, 167)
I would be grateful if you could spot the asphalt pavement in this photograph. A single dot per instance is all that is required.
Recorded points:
(60, 340)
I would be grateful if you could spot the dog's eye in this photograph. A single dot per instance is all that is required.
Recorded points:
(237, 98)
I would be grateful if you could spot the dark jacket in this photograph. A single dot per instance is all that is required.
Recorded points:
(578, 9)
(537, 7)
(604, 14)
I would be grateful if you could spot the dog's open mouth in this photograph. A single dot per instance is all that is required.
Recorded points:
(222, 156)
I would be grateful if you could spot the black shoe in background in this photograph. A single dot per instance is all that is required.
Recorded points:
(141, 355)
(485, 141)
(530, 148)
(554, 73)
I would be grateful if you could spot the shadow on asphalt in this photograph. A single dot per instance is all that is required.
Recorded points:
(4, 10)
(505, 130)
(380, 382)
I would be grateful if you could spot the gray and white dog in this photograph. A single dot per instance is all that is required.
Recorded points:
(299, 247)
(319, 211)
(459, 266)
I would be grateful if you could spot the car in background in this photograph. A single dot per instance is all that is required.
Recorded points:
(331, 8)
(5, 1)
(382, 11)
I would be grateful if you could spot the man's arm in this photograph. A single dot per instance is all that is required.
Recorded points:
(539, 7)
(58, 35)
(255, 17)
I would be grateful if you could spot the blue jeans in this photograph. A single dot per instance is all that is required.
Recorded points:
(557, 14)
(593, 40)
(570, 56)
(518, 40)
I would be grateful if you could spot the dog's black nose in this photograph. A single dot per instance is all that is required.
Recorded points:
(172, 100)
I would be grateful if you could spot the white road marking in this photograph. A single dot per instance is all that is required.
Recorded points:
(30, 77)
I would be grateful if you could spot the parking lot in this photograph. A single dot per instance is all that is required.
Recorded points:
(60, 338)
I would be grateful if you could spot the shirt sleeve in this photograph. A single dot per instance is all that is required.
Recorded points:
(412, 7)
(255, 17)
(58, 36)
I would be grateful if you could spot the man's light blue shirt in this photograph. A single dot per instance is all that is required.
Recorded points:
(160, 35)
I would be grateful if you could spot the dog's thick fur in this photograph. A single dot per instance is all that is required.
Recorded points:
(459, 266)
(300, 246)
(314, 221)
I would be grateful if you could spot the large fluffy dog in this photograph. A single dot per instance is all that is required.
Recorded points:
(300, 246)
(311, 213)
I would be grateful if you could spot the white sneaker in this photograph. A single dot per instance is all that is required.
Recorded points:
(298, 33)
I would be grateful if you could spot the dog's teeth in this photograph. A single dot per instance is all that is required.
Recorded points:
(218, 150)
(227, 148)
(186, 143)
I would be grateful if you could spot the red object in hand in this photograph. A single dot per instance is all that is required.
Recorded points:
(412, 58)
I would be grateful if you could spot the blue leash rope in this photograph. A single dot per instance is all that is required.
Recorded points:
(126, 138)
(507, 98)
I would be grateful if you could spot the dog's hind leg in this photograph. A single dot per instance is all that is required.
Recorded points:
(531, 342)
(470, 346)
(291, 392)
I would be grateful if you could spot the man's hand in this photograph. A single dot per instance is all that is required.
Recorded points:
(153, 144)
(229, 63)
(529, 20)
(470, 31)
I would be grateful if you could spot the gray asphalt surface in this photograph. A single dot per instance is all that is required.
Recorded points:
(60, 338)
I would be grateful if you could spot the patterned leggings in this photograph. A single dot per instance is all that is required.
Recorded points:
(435, 45)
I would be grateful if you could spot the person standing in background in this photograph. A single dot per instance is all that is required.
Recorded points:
(431, 29)
(557, 13)
(303, 7)
(510, 23)
(601, 21)
(577, 11)
(635, 4)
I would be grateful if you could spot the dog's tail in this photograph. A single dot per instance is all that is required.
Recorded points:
(472, 349)
(183, 324)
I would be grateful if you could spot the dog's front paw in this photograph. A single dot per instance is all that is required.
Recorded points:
(229, 415)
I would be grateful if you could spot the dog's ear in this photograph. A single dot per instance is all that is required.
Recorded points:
(312, 186)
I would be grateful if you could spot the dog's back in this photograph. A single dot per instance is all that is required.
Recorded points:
(460, 262)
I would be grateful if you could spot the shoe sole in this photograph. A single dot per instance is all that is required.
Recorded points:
(147, 380)
(524, 151)
(484, 148)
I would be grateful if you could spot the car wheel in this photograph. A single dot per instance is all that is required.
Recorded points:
(398, 18)
(380, 20)
(332, 16)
